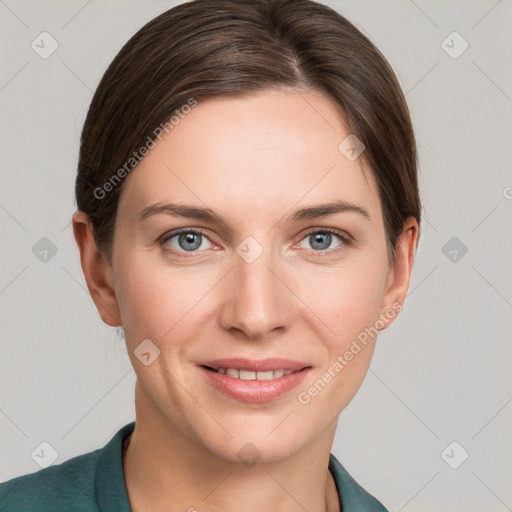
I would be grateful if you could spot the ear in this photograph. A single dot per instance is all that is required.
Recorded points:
(399, 274)
(97, 271)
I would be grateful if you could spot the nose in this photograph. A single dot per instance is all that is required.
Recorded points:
(256, 302)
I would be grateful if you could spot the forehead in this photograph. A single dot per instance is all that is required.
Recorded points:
(257, 153)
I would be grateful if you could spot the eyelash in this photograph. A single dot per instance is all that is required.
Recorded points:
(346, 240)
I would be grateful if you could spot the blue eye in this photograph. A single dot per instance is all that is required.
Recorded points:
(321, 239)
(187, 240)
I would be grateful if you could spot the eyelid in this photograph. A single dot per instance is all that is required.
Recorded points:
(342, 234)
(174, 232)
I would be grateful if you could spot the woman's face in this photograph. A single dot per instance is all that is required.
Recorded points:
(255, 278)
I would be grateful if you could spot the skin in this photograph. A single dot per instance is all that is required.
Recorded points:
(252, 160)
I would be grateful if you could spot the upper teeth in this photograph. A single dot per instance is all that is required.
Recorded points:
(250, 375)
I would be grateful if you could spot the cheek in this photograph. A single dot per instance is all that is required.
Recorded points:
(142, 297)
(346, 300)
(348, 304)
(157, 301)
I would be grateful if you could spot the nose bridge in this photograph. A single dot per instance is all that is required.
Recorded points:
(256, 301)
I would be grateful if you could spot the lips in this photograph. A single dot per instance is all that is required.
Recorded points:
(254, 380)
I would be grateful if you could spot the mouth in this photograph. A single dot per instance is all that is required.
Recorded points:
(254, 381)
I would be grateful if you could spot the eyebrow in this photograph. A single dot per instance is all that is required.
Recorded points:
(313, 212)
(306, 213)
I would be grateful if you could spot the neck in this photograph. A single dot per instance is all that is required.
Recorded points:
(163, 465)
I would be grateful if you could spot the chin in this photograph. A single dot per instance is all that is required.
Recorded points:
(255, 446)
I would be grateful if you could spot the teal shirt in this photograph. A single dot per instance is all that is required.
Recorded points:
(94, 482)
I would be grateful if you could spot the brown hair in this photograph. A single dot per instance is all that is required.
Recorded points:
(207, 48)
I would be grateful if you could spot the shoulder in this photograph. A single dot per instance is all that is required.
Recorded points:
(85, 483)
(70, 484)
(353, 497)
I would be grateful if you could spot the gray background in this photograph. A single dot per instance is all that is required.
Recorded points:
(440, 374)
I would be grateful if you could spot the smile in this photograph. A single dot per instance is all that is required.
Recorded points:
(254, 381)
(251, 375)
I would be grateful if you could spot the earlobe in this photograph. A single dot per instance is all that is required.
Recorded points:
(399, 275)
(97, 271)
